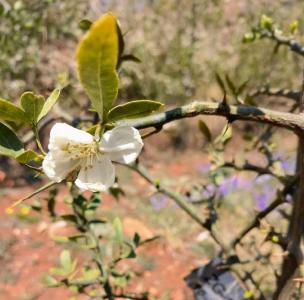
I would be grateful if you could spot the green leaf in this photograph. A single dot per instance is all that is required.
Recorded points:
(293, 26)
(85, 24)
(156, 237)
(231, 85)
(220, 82)
(69, 218)
(97, 56)
(59, 271)
(11, 112)
(50, 281)
(27, 156)
(32, 105)
(88, 276)
(242, 87)
(128, 251)
(10, 145)
(136, 239)
(121, 46)
(66, 261)
(49, 103)
(93, 129)
(205, 130)
(250, 101)
(118, 230)
(266, 22)
(249, 37)
(133, 109)
(130, 57)
(225, 135)
(1, 9)
(120, 281)
(84, 241)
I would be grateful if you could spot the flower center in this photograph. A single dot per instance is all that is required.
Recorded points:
(78, 151)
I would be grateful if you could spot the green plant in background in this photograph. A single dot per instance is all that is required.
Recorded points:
(30, 33)
(105, 242)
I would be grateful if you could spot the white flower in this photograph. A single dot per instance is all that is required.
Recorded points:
(72, 149)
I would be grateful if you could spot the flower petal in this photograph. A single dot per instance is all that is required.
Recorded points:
(98, 176)
(62, 133)
(57, 170)
(123, 144)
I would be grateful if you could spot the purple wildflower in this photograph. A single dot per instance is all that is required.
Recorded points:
(204, 168)
(158, 201)
(261, 201)
(209, 191)
(288, 165)
(264, 191)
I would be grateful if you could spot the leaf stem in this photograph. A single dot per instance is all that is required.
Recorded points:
(41, 189)
(36, 133)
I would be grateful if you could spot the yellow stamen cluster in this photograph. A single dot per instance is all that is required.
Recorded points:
(79, 151)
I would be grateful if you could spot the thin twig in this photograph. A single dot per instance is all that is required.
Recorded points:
(274, 92)
(254, 168)
(293, 45)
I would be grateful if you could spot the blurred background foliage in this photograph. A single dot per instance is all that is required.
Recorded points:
(181, 44)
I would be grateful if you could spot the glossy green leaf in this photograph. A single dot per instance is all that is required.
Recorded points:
(49, 103)
(97, 56)
(133, 109)
(32, 105)
(11, 112)
(27, 156)
(205, 130)
(10, 145)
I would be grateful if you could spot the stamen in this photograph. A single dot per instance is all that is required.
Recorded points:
(79, 151)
